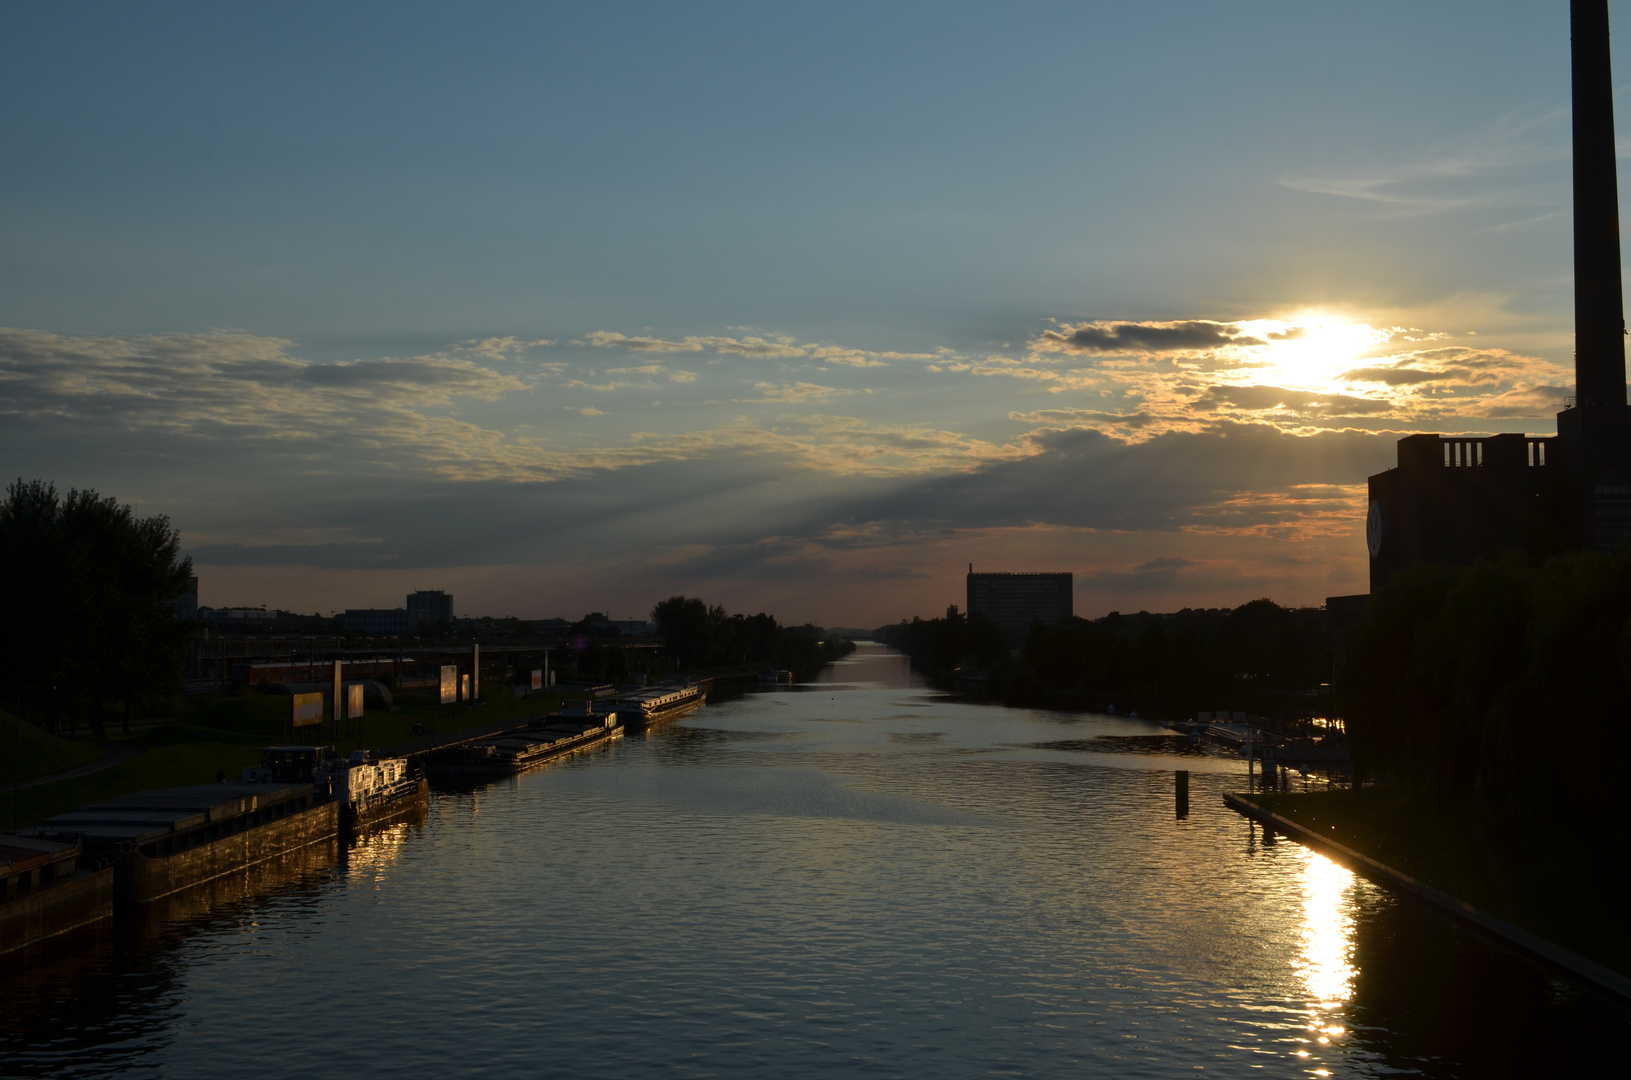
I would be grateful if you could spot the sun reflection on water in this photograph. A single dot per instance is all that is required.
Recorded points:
(1326, 963)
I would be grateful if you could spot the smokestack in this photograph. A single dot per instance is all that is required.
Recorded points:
(1599, 312)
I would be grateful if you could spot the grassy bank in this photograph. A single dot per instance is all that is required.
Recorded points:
(27, 751)
(1545, 885)
(224, 734)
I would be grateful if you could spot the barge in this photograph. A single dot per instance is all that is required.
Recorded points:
(370, 790)
(540, 740)
(644, 708)
(47, 889)
(161, 842)
(374, 791)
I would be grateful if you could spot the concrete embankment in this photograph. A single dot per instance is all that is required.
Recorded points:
(1554, 956)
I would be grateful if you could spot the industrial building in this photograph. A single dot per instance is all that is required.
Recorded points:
(1016, 602)
(1454, 499)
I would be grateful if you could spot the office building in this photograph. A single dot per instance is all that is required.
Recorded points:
(1016, 602)
(436, 605)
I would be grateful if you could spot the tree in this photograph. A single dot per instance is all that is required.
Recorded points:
(684, 625)
(88, 590)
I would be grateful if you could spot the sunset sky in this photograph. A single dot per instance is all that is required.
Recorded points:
(800, 308)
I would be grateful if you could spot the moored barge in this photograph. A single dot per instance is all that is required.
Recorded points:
(47, 889)
(370, 790)
(540, 740)
(161, 842)
(374, 791)
(644, 708)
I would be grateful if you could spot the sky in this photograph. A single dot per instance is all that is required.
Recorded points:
(797, 308)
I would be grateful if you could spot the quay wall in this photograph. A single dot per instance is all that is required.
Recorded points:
(143, 878)
(1604, 979)
(83, 899)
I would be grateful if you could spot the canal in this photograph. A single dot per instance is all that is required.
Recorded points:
(858, 877)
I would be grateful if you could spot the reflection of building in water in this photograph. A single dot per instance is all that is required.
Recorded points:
(373, 852)
(1456, 499)
(1017, 601)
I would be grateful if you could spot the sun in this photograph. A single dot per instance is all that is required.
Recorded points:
(1310, 351)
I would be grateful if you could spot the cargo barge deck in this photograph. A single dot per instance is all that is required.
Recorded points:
(161, 842)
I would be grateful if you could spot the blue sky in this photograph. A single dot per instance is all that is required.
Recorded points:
(800, 308)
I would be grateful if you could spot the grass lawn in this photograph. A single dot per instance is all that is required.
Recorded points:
(1550, 889)
(27, 751)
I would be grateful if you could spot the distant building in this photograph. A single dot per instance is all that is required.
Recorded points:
(436, 605)
(634, 627)
(186, 604)
(383, 620)
(1016, 602)
(228, 614)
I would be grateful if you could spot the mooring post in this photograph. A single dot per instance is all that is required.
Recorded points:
(1182, 793)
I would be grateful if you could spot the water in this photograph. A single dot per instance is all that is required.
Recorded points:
(860, 878)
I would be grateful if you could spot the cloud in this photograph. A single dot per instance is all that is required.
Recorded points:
(833, 354)
(608, 339)
(1123, 338)
(501, 348)
(1475, 170)
(1265, 398)
(1083, 418)
(792, 393)
(748, 346)
(753, 346)
(589, 410)
(772, 347)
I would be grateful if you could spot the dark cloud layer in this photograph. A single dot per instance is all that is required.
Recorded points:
(1279, 397)
(1147, 337)
(755, 520)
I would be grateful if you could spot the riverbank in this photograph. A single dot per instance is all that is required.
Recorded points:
(224, 734)
(1542, 888)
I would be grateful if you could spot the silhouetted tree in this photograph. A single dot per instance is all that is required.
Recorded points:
(88, 598)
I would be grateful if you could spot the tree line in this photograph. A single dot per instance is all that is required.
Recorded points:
(1498, 690)
(702, 637)
(89, 623)
(1258, 657)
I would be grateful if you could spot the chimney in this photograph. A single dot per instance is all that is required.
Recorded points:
(1599, 312)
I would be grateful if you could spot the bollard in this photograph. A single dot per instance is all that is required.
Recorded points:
(1182, 793)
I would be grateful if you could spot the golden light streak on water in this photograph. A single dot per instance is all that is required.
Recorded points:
(1326, 963)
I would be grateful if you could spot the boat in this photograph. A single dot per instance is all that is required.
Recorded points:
(161, 842)
(373, 790)
(775, 677)
(47, 889)
(539, 740)
(644, 708)
(368, 790)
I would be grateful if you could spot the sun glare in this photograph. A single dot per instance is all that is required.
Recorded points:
(1326, 963)
(1309, 353)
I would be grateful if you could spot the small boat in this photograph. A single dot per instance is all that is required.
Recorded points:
(775, 677)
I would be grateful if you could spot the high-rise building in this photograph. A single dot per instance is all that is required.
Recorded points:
(186, 604)
(436, 605)
(1016, 602)
(1454, 499)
